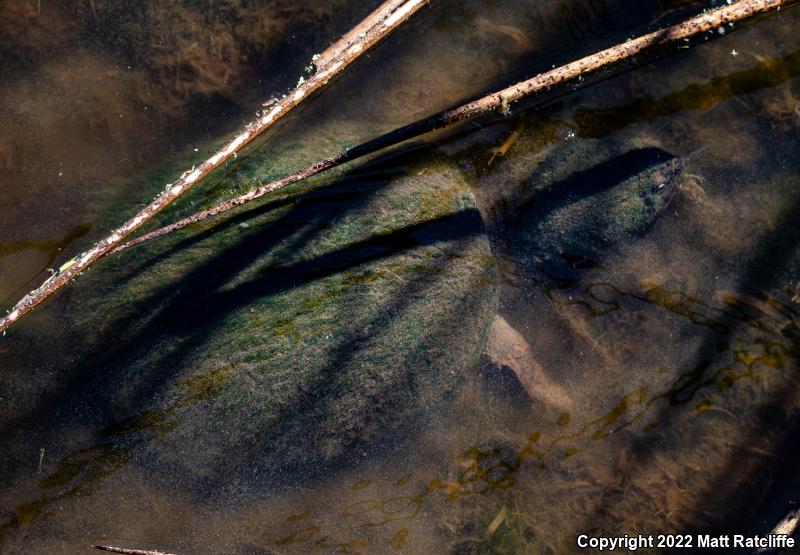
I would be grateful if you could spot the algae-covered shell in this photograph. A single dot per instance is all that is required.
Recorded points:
(339, 315)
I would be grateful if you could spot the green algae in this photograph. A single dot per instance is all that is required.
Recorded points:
(207, 385)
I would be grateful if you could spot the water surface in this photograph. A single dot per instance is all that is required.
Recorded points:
(135, 409)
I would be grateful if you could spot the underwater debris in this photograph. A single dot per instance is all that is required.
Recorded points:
(506, 144)
(498, 520)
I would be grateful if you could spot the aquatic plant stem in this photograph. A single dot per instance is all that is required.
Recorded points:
(498, 101)
(367, 34)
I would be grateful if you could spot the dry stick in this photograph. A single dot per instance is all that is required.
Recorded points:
(378, 25)
(114, 549)
(708, 21)
(327, 55)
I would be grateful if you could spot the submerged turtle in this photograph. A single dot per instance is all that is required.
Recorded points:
(335, 319)
(350, 328)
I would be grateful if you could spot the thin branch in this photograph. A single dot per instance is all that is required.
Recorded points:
(498, 101)
(114, 549)
(380, 13)
(379, 24)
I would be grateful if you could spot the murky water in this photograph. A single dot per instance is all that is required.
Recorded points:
(396, 358)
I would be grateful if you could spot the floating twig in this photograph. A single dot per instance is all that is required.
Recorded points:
(380, 23)
(114, 549)
(498, 101)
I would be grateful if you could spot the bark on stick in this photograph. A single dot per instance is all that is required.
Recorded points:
(377, 26)
(498, 101)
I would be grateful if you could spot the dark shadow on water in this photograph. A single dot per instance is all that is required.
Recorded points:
(355, 183)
